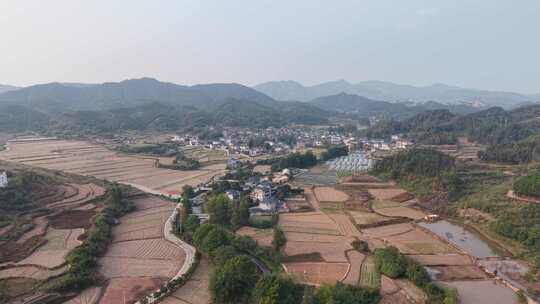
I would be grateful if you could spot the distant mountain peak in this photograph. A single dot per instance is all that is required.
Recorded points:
(388, 91)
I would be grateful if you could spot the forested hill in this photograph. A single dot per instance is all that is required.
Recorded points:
(56, 97)
(491, 126)
(365, 107)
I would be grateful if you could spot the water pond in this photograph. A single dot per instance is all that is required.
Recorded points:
(465, 239)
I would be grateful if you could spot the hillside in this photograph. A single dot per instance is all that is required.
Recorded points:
(387, 91)
(491, 126)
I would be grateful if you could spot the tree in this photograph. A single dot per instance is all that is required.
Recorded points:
(346, 294)
(215, 238)
(279, 239)
(240, 215)
(417, 274)
(223, 254)
(233, 281)
(360, 245)
(275, 289)
(219, 209)
(390, 262)
(190, 225)
(201, 233)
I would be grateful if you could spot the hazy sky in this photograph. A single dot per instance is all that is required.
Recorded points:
(489, 44)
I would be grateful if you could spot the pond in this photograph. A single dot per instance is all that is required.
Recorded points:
(465, 239)
(476, 292)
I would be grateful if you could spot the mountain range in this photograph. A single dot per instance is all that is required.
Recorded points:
(387, 91)
(147, 103)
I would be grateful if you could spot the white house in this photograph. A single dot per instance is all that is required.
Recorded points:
(3, 180)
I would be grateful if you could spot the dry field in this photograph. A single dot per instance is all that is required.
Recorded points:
(318, 248)
(308, 222)
(31, 272)
(89, 159)
(442, 259)
(139, 258)
(363, 218)
(410, 240)
(407, 212)
(88, 296)
(317, 273)
(129, 289)
(386, 194)
(196, 288)
(59, 243)
(458, 273)
(263, 237)
(388, 230)
(329, 194)
(345, 225)
(355, 259)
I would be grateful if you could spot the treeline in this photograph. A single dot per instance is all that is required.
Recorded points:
(390, 262)
(493, 126)
(528, 185)
(183, 164)
(82, 260)
(415, 162)
(152, 149)
(303, 160)
(520, 152)
(294, 160)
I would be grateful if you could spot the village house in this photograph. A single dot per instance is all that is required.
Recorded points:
(233, 194)
(3, 180)
(262, 191)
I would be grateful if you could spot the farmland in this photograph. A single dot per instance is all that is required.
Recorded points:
(139, 258)
(195, 290)
(263, 237)
(44, 227)
(85, 158)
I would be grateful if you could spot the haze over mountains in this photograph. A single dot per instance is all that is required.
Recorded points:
(6, 88)
(387, 91)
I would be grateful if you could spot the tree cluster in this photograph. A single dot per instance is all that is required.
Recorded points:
(334, 152)
(415, 162)
(295, 160)
(528, 185)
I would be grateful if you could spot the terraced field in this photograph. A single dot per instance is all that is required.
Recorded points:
(90, 159)
(37, 241)
(140, 259)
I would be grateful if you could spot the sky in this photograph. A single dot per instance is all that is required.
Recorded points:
(486, 44)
